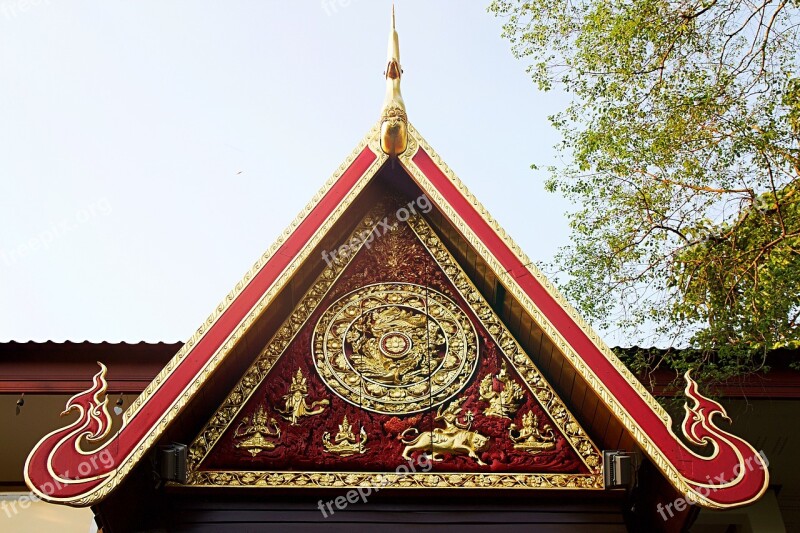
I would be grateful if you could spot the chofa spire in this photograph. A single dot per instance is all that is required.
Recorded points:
(394, 121)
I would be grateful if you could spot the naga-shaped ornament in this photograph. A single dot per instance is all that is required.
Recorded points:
(64, 469)
(80, 464)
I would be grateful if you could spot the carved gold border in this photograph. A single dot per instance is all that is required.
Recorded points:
(418, 480)
(127, 464)
(258, 371)
(511, 285)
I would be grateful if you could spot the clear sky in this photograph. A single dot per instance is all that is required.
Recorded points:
(151, 151)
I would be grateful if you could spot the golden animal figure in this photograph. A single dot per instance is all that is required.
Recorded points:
(453, 439)
(254, 437)
(296, 406)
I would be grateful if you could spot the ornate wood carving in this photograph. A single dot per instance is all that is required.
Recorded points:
(417, 363)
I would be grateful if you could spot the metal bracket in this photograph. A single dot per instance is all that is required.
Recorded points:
(618, 469)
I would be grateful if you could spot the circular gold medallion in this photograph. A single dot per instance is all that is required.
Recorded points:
(395, 348)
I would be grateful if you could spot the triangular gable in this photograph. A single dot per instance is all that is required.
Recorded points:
(323, 406)
(733, 474)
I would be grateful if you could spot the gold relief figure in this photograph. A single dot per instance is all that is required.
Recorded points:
(296, 406)
(530, 438)
(254, 436)
(506, 402)
(345, 442)
(455, 438)
(391, 344)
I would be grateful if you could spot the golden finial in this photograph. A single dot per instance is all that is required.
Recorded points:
(394, 121)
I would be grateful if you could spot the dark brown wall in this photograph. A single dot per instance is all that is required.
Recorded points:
(298, 511)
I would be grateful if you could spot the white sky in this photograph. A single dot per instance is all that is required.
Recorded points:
(150, 151)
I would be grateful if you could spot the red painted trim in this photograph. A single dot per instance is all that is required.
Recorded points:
(54, 450)
(692, 468)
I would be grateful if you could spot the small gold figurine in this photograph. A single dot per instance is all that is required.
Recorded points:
(530, 438)
(254, 437)
(296, 406)
(506, 402)
(345, 443)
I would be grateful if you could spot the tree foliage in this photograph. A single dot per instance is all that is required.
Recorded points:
(683, 138)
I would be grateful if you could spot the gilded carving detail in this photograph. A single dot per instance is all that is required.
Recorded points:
(296, 405)
(454, 438)
(395, 348)
(550, 402)
(257, 435)
(402, 481)
(269, 355)
(506, 402)
(520, 360)
(345, 443)
(530, 438)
